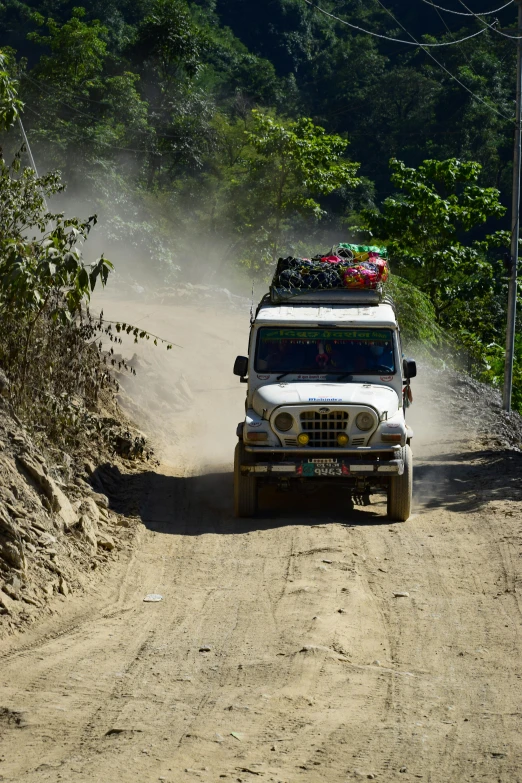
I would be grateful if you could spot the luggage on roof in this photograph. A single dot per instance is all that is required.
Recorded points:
(362, 249)
(344, 271)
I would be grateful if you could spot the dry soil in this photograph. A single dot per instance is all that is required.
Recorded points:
(311, 643)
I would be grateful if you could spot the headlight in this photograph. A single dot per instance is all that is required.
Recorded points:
(365, 421)
(284, 422)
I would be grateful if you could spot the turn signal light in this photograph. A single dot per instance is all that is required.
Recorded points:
(257, 436)
(343, 440)
(303, 439)
(389, 437)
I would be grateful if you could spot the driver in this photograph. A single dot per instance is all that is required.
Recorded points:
(381, 356)
(279, 358)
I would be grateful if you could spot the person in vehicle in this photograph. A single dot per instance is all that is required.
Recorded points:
(279, 357)
(381, 356)
(326, 356)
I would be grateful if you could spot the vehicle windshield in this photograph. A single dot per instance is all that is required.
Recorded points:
(325, 351)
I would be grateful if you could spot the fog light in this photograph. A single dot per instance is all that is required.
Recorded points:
(342, 440)
(303, 439)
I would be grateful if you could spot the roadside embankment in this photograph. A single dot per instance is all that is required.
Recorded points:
(57, 533)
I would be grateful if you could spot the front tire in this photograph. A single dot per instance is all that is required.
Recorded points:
(245, 486)
(400, 490)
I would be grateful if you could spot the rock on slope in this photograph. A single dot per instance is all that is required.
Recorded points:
(473, 407)
(56, 532)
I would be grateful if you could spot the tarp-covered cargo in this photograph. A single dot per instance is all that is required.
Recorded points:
(345, 268)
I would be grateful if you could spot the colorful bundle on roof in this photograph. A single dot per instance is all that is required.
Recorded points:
(356, 267)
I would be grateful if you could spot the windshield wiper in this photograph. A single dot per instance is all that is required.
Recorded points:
(343, 376)
(288, 372)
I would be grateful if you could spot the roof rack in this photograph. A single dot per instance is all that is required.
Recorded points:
(344, 296)
(347, 301)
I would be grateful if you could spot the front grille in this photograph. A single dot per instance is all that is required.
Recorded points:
(323, 428)
(290, 441)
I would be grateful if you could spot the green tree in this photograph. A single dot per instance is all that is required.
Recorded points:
(44, 287)
(168, 52)
(286, 167)
(466, 127)
(36, 270)
(41, 277)
(61, 91)
(10, 104)
(78, 51)
(428, 227)
(168, 37)
(490, 368)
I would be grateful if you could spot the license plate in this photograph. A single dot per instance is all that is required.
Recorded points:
(322, 467)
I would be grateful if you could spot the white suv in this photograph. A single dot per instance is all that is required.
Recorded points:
(327, 391)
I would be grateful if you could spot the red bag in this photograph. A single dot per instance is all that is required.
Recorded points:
(333, 260)
(367, 274)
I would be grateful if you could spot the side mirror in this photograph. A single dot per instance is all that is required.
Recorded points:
(241, 366)
(409, 368)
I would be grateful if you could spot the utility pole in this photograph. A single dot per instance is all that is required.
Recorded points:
(515, 230)
(27, 145)
(29, 152)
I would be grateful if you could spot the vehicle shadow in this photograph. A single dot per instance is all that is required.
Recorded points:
(199, 504)
(467, 481)
(194, 505)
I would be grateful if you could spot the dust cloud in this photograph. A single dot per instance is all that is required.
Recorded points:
(437, 436)
(188, 402)
(186, 399)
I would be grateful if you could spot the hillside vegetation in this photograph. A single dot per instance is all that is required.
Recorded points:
(212, 136)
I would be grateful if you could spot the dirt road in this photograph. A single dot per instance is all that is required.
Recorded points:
(308, 644)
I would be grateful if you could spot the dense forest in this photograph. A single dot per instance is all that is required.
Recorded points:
(212, 136)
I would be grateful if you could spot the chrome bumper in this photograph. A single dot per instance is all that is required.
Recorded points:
(337, 453)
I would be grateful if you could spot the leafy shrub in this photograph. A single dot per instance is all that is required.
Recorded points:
(49, 347)
(415, 312)
(486, 362)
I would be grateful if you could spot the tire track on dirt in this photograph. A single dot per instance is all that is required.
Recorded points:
(296, 607)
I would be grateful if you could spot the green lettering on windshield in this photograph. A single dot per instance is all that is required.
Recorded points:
(325, 334)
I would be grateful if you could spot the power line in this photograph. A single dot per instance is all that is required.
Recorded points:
(31, 158)
(72, 108)
(441, 65)
(437, 11)
(389, 38)
(451, 32)
(97, 141)
(436, 8)
(154, 131)
(28, 146)
(422, 46)
(461, 13)
(515, 233)
(50, 91)
(491, 27)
